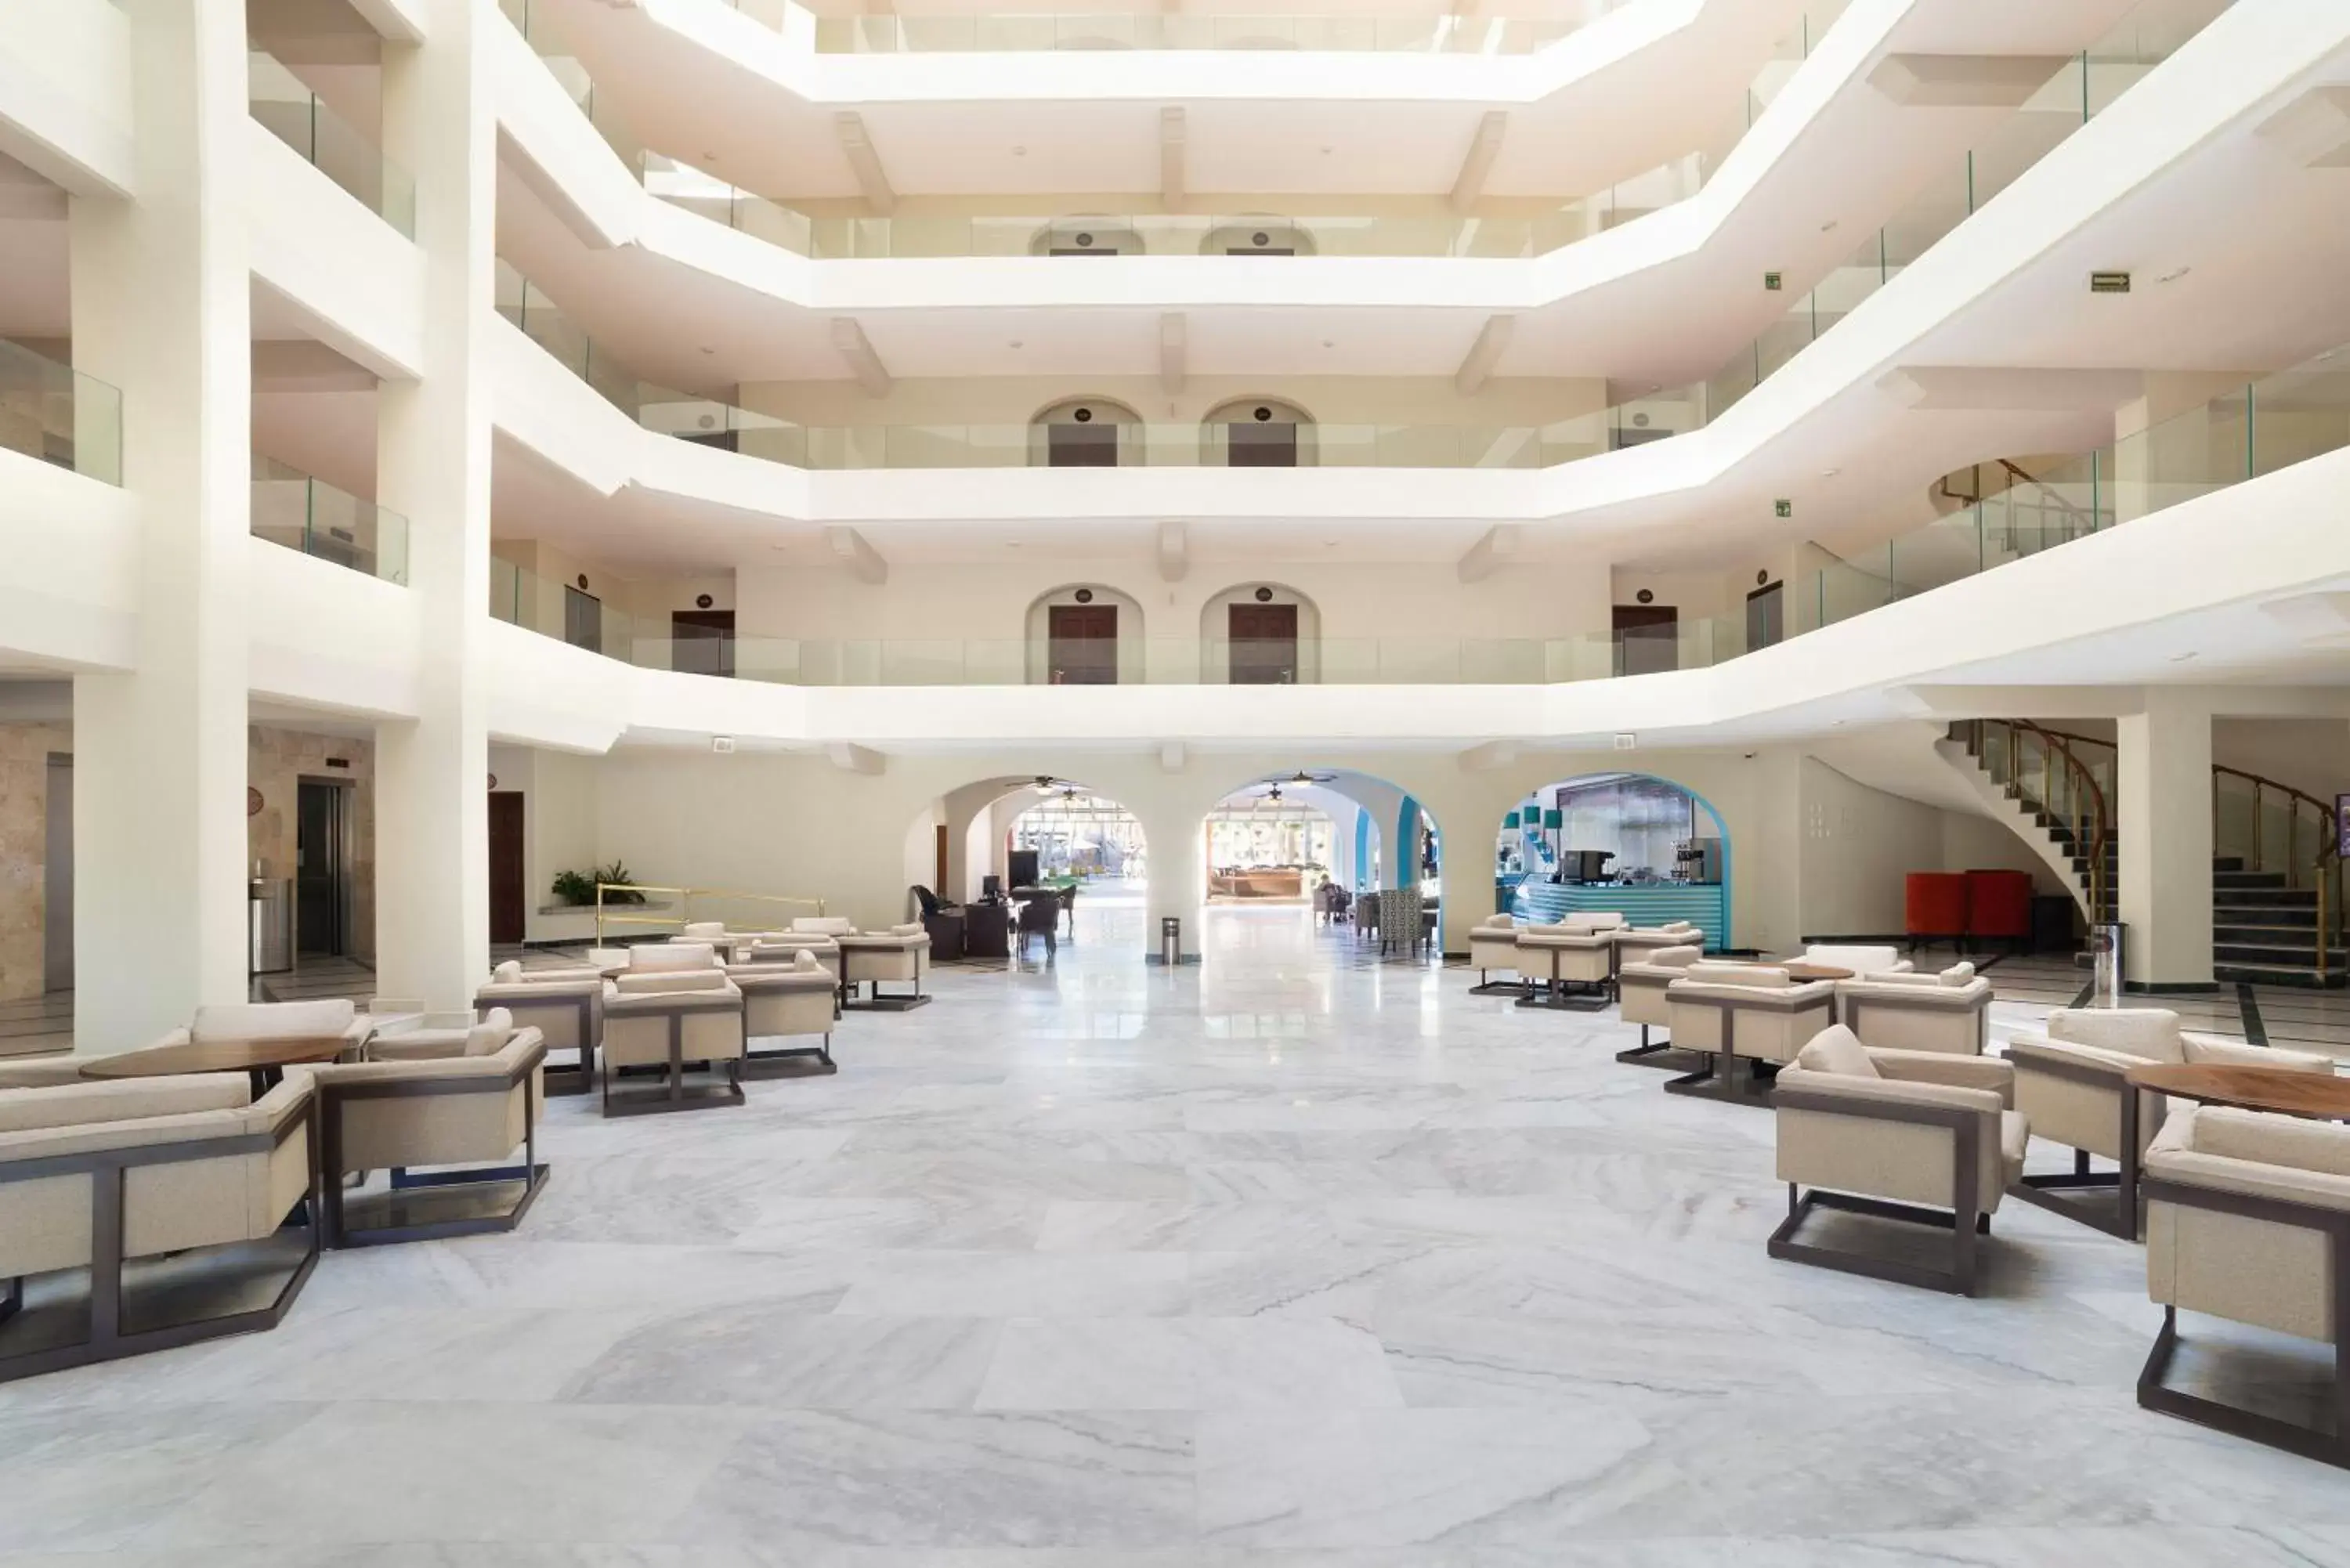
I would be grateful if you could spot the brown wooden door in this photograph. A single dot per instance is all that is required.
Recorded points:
(939, 865)
(1265, 644)
(1249, 444)
(507, 892)
(1648, 638)
(1082, 644)
(701, 642)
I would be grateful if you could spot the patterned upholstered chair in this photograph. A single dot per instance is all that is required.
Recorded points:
(2070, 1080)
(2247, 1218)
(97, 1176)
(1923, 1136)
(1739, 1016)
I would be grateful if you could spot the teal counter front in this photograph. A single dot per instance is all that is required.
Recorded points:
(1704, 905)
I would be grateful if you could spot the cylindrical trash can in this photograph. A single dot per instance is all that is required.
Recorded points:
(2105, 964)
(1171, 940)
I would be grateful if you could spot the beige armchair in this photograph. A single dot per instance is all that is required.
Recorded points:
(2247, 1218)
(1738, 1015)
(1948, 1011)
(1922, 1137)
(97, 1175)
(564, 1005)
(1570, 964)
(1494, 944)
(1641, 988)
(2069, 1081)
(464, 1109)
(673, 1008)
(781, 1000)
(872, 958)
(1634, 943)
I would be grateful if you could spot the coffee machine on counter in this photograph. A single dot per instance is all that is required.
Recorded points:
(1698, 860)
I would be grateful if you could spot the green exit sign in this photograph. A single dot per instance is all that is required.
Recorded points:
(1783, 508)
(1773, 281)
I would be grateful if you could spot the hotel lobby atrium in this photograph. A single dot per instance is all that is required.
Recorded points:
(1667, 888)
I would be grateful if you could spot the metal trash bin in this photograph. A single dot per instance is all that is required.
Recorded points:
(1171, 940)
(2105, 964)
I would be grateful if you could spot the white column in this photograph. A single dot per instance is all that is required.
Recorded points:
(161, 311)
(2163, 814)
(433, 467)
(1174, 834)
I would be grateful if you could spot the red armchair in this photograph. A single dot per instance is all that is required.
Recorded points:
(1935, 906)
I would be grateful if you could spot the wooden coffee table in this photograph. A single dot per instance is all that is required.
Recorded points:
(265, 1060)
(1807, 972)
(2322, 1096)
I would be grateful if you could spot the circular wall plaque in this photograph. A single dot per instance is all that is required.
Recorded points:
(1646, 596)
(583, 582)
(252, 801)
(494, 781)
(702, 601)
(1084, 595)
(1265, 596)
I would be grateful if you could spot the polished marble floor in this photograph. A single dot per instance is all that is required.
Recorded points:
(1295, 1258)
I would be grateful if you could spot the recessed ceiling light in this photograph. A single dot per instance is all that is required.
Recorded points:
(1326, 152)
(2182, 657)
(1332, 544)
(1019, 152)
(1830, 473)
(2173, 276)
(707, 349)
(1327, 343)
(1829, 227)
(1011, 544)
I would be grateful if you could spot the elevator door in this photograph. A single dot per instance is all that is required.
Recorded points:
(1081, 642)
(321, 902)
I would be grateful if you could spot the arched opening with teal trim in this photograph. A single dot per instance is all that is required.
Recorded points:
(1646, 846)
(1382, 840)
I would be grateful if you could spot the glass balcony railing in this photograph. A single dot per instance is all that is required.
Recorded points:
(1061, 235)
(55, 414)
(283, 103)
(1434, 34)
(292, 509)
(2266, 425)
(2269, 425)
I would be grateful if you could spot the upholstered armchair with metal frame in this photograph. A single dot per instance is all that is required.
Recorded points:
(1634, 943)
(1906, 1011)
(101, 1176)
(1738, 1015)
(464, 1109)
(1570, 963)
(673, 1008)
(564, 1005)
(1922, 1137)
(901, 955)
(1494, 944)
(2070, 1080)
(784, 1000)
(2247, 1218)
(1641, 992)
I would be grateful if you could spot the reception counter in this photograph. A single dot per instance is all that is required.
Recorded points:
(1705, 905)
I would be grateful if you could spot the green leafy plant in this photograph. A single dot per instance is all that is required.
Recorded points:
(578, 888)
(608, 875)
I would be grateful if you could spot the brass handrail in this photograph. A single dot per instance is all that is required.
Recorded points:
(2060, 793)
(684, 917)
(2324, 867)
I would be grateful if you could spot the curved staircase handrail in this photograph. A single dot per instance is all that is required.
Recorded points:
(2079, 773)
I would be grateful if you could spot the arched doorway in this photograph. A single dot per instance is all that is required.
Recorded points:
(1257, 433)
(1086, 432)
(1087, 237)
(1084, 634)
(1260, 634)
(1006, 842)
(1352, 857)
(1633, 842)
